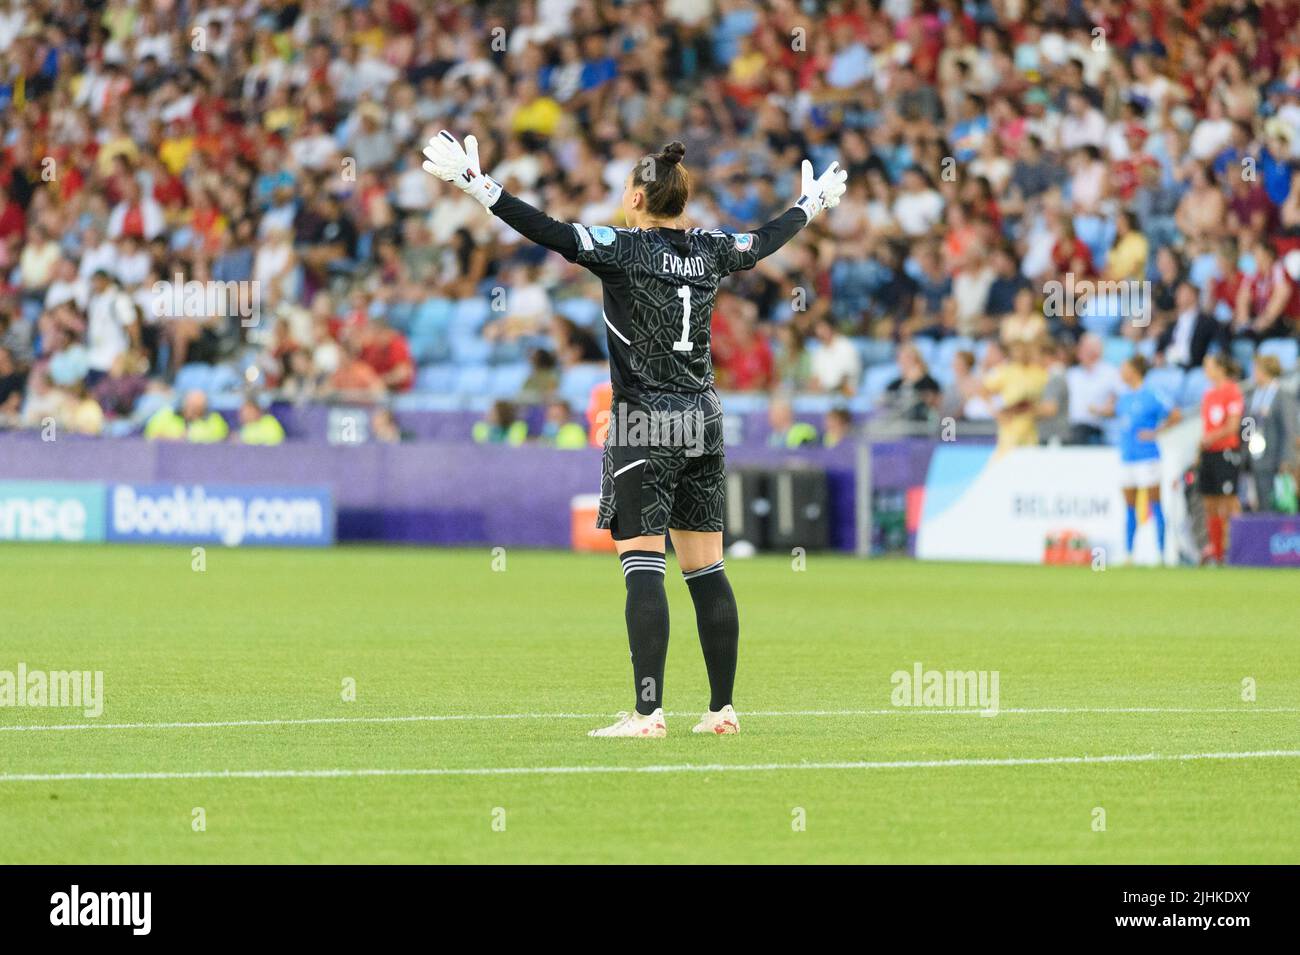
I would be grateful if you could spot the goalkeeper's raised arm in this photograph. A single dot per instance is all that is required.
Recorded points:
(451, 162)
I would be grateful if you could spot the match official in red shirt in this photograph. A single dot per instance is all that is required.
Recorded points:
(1221, 409)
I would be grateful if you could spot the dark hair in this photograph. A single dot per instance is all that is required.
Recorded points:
(1230, 368)
(665, 181)
(505, 412)
(1139, 364)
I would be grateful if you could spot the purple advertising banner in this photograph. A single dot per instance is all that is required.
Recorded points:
(1265, 540)
(430, 492)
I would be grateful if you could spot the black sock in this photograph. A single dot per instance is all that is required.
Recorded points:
(719, 626)
(647, 625)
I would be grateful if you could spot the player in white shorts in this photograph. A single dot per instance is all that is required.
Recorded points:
(1141, 413)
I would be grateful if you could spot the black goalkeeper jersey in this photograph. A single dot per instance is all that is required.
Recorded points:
(659, 290)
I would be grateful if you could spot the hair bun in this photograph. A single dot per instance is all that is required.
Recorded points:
(672, 153)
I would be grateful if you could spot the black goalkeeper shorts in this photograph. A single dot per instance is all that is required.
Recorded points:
(649, 486)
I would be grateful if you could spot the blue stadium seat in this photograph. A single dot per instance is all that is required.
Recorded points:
(928, 348)
(473, 380)
(877, 378)
(947, 350)
(469, 349)
(193, 377)
(814, 404)
(532, 342)
(1195, 384)
(861, 403)
(874, 351)
(1101, 317)
(432, 317)
(508, 380)
(224, 381)
(470, 314)
(743, 402)
(1097, 233)
(436, 379)
(580, 311)
(1286, 350)
(148, 404)
(577, 382)
(428, 350)
(1167, 381)
(1243, 352)
(942, 374)
(428, 331)
(400, 316)
(1117, 350)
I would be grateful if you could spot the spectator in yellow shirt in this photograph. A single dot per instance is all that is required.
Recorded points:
(1127, 258)
(258, 426)
(539, 113)
(117, 143)
(194, 423)
(1018, 385)
(201, 425)
(749, 65)
(175, 150)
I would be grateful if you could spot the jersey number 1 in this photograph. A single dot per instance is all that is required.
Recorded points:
(684, 344)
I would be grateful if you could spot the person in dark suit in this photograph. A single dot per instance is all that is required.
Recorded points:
(1189, 337)
(1270, 422)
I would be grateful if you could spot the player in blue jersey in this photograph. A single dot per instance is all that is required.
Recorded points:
(1142, 413)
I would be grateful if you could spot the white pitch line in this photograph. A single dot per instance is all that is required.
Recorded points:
(473, 717)
(667, 768)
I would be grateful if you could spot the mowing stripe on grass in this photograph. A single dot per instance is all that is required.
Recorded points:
(666, 768)
(471, 717)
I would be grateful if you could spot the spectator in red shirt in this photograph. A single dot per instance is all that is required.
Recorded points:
(389, 354)
(1268, 301)
(355, 377)
(1070, 254)
(742, 358)
(13, 220)
(1128, 171)
(1222, 291)
(750, 365)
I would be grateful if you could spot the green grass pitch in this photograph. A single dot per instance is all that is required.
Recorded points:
(536, 654)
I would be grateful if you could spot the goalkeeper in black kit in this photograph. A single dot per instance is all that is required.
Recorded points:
(663, 464)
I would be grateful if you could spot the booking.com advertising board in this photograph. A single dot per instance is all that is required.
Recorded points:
(1046, 504)
(233, 515)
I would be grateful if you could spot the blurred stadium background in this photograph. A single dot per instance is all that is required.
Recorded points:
(223, 266)
(235, 311)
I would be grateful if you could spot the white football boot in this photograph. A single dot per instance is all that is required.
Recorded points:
(722, 723)
(634, 724)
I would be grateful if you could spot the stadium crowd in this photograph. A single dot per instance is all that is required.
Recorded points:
(1007, 158)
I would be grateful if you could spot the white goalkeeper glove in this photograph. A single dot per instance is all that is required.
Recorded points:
(445, 158)
(823, 192)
